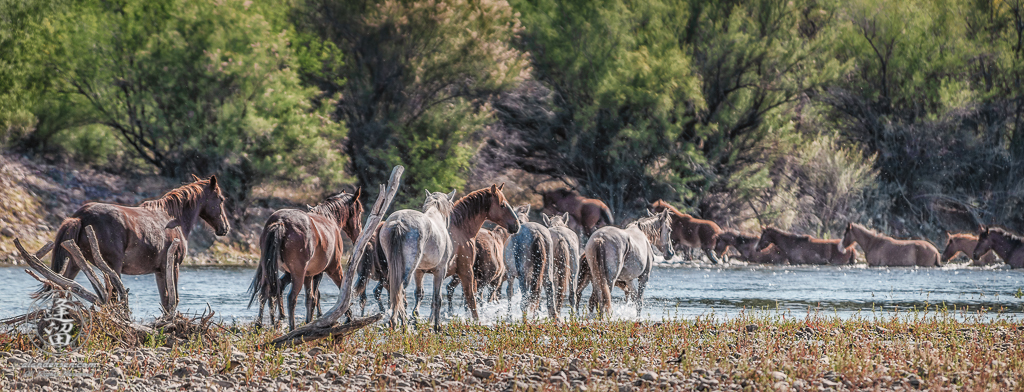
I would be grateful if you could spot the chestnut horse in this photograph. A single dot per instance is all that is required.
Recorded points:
(626, 255)
(956, 243)
(304, 244)
(135, 240)
(566, 257)
(687, 230)
(374, 265)
(744, 243)
(1009, 246)
(883, 250)
(588, 213)
(804, 249)
(488, 267)
(468, 216)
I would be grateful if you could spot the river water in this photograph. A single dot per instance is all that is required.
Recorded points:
(673, 292)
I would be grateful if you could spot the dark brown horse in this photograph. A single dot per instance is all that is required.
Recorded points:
(135, 240)
(305, 244)
(587, 213)
(1009, 246)
(745, 244)
(692, 232)
(956, 243)
(489, 265)
(373, 266)
(881, 250)
(804, 249)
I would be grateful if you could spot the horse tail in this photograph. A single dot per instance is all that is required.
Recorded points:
(397, 256)
(264, 283)
(606, 213)
(69, 230)
(539, 254)
(599, 276)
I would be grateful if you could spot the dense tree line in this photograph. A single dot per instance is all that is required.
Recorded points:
(805, 114)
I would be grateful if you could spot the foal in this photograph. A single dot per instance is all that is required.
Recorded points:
(965, 243)
(690, 231)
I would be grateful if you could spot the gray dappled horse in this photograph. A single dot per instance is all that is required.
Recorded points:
(528, 255)
(624, 255)
(566, 256)
(418, 242)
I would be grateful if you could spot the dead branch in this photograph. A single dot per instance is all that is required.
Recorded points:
(79, 260)
(52, 277)
(327, 325)
(114, 282)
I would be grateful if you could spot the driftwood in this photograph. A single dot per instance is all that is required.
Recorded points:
(103, 296)
(328, 325)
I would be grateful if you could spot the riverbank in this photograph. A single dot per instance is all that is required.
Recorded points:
(746, 353)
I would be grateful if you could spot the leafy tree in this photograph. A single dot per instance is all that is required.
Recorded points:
(415, 83)
(193, 87)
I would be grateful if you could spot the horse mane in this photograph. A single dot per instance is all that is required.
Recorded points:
(471, 205)
(1007, 233)
(870, 231)
(969, 236)
(648, 225)
(333, 206)
(789, 234)
(665, 205)
(179, 199)
(441, 203)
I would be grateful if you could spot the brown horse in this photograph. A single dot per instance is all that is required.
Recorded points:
(135, 240)
(488, 267)
(1009, 246)
(956, 243)
(587, 213)
(882, 250)
(304, 244)
(744, 243)
(804, 249)
(468, 216)
(374, 265)
(690, 231)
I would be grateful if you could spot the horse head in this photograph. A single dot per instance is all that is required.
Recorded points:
(522, 213)
(211, 207)
(500, 211)
(984, 243)
(353, 222)
(555, 221)
(847, 239)
(767, 238)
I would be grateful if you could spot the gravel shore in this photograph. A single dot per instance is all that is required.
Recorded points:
(751, 354)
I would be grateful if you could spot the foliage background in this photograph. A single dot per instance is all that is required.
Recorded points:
(805, 114)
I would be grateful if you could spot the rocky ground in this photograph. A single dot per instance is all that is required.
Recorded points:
(749, 354)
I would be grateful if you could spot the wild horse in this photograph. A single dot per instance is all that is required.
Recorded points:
(690, 231)
(1009, 246)
(956, 243)
(804, 249)
(881, 250)
(587, 213)
(304, 244)
(135, 240)
(626, 255)
(745, 244)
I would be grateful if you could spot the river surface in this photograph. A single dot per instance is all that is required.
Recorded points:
(685, 292)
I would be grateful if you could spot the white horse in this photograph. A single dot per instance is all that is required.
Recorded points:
(625, 255)
(528, 255)
(566, 256)
(418, 241)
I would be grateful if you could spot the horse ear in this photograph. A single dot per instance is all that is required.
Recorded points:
(194, 177)
(451, 196)
(501, 186)
(650, 213)
(213, 181)
(494, 188)
(526, 208)
(428, 192)
(544, 219)
(565, 218)
(359, 192)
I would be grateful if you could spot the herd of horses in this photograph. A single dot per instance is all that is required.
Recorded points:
(576, 244)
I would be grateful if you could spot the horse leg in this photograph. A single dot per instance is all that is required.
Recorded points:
(293, 297)
(286, 279)
(316, 293)
(419, 293)
(549, 287)
(360, 287)
(376, 295)
(307, 282)
(464, 268)
(641, 285)
(711, 255)
(440, 273)
(451, 291)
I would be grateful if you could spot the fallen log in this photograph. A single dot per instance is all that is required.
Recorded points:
(328, 325)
